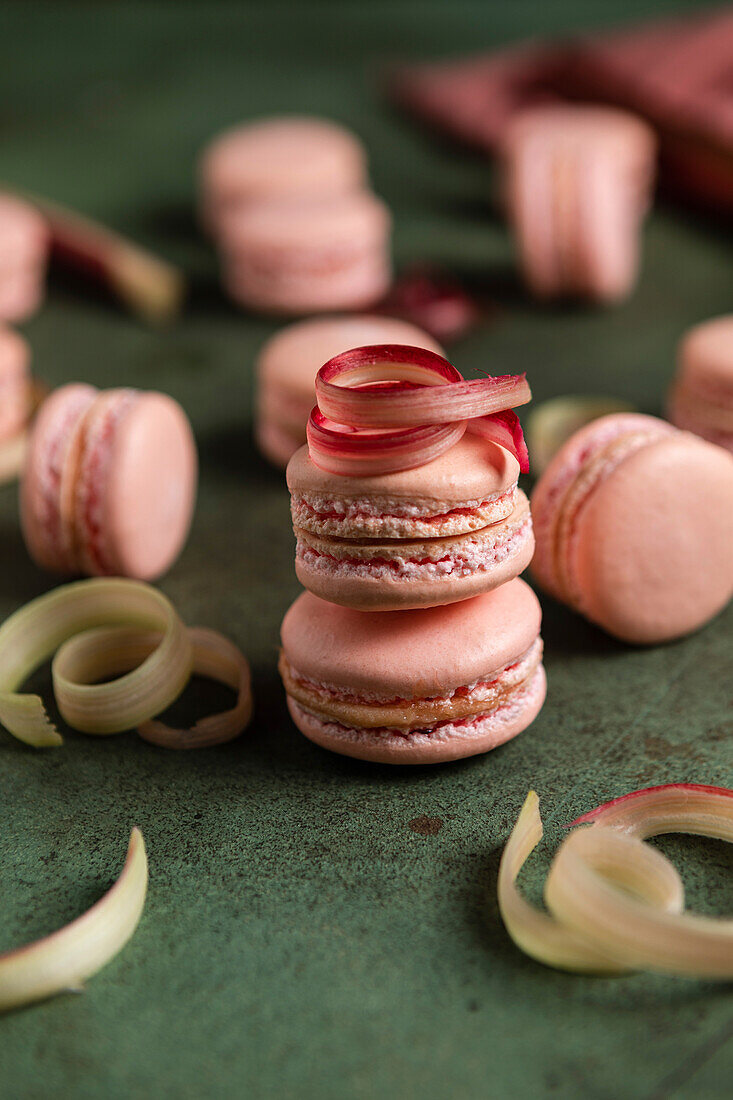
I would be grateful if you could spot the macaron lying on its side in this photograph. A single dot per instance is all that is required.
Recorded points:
(634, 526)
(443, 532)
(701, 396)
(577, 185)
(414, 687)
(24, 248)
(109, 483)
(288, 364)
(15, 383)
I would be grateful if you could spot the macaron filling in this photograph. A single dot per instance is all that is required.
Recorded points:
(462, 557)
(98, 435)
(397, 518)
(373, 711)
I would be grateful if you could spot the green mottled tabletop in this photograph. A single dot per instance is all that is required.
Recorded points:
(318, 927)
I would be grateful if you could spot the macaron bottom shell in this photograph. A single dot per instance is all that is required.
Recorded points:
(443, 743)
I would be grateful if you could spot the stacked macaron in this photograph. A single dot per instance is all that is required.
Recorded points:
(288, 203)
(701, 396)
(416, 642)
(24, 247)
(577, 184)
(288, 364)
(109, 482)
(634, 527)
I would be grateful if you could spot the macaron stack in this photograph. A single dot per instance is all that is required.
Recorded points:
(577, 183)
(701, 396)
(289, 361)
(416, 642)
(24, 248)
(288, 203)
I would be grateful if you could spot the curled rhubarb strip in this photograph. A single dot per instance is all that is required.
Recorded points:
(544, 938)
(352, 453)
(149, 286)
(673, 807)
(109, 651)
(34, 633)
(391, 407)
(62, 961)
(629, 931)
(415, 398)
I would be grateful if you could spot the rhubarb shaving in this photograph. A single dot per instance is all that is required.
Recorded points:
(105, 626)
(146, 284)
(62, 961)
(391, 407)
(612, 897)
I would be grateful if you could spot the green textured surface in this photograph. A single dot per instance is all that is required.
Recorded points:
(306, 934)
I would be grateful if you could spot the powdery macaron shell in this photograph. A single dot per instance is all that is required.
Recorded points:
(452, 487)
(415, 655)
(287, 155)
(305, 256)
(15, 382)
(648, 554)
(150, 487)
(49, 477)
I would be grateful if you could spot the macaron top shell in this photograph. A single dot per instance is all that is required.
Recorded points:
(281, 155)
(349, 222)
(294, 355)
(581, 126)
(413, 654)
(474, 470)
(653, 554)
(706, 358)
(149, 517)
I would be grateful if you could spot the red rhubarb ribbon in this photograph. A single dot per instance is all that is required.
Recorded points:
(391, 407)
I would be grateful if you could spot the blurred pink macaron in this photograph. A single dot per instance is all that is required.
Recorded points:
(443, 532)
(577, 183)
(278, 157)
(701, 397)
(109, 482)
(296, 256)
(634, 527)
(414, 687)
(24, 249)
(289, 361)
(15, 383)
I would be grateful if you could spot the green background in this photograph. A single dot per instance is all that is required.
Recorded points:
(306, 933)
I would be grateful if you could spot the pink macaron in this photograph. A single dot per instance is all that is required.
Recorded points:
(296, 256)
(24, 248)
(443, 532)
(415, 687)
(577, 184)
(701, 396)
(15, 383)
(109, 482)
(634, 526)
(288, 363)
(278, 157)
